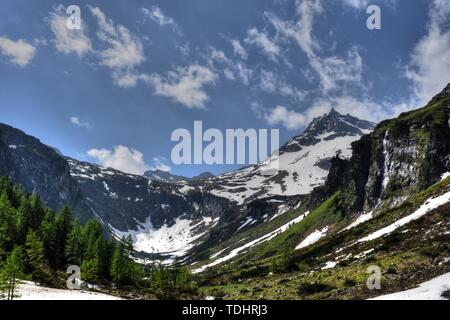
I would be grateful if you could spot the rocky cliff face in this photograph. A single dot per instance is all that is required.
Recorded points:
(39, 168)
(402, 156)
(122, 202)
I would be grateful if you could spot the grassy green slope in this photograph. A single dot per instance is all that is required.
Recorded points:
(420, 245)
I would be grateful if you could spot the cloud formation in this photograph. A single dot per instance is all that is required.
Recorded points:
(429, 68)
(123, 51)
(264, 42)
(67, 40)
(238, 49)
(120, 158)
(80, 123)
(160, 164)
(18, 52)
(272, 83)
(333, 71)
(185, 85)
(289, 119)
(357, 4)
(155, 13)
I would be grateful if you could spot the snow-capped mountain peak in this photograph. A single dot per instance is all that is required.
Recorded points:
(334, 124)
(304, 161)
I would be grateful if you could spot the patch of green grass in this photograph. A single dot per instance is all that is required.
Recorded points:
(323, 215)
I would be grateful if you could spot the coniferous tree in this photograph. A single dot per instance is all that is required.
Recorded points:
(75, 246)
(37, 211)
(11, 273)
(34, 253)
(91, 232)
(51, 241)
(7, 224)
(90, 269)
(48, 236)
(24, 220)
(118, 265)
(64, 223)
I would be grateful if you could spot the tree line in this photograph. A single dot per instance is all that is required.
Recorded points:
(38, 244)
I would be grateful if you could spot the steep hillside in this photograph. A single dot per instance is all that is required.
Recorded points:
(386, 206)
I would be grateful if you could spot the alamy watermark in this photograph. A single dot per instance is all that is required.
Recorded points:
(73, 282)
(374, 20)
(236, 146)
(374, 280)
(73, 21)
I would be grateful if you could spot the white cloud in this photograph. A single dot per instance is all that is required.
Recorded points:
(155, 13)
(128, 77)
(333, 71)
(76, 121)
(123, 52)
(163, 167)
(301, 31)
(429, 68)
(291, 120)
(262, 40)
(185, 85)
(120, 158)
(159, 164)
(357, 4)
(361, 108)
(232, 70)
(219, 56)
(364, 109)
(19, 52)
(238, 49)
(67, 40)
(272, 83)
(243, 72)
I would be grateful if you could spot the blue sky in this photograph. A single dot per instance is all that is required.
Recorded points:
(114, 91)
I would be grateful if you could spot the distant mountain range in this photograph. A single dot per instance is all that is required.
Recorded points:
(166, 176)
(188, 209)
(370, 167)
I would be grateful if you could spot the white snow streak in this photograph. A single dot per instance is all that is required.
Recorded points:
(430, 290)
(253, 243)
(428, 206)
(312, 238)
(361, 219)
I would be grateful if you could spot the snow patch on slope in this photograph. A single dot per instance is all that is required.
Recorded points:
(428, 206)
(299, 172)
(312, 238)
(175, 240)
(430, 290)
(253, 243)
(31, 291)
(361, 219)
(445, 176)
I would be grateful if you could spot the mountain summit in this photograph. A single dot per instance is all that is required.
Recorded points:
(304, 161)
(333, 122)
